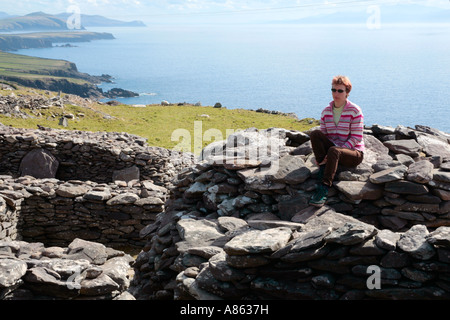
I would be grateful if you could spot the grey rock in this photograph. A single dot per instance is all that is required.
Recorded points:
(258, 179)
(351, 233)
(291, 170)
(421, 172)
(98, 195)
(375, 150)
(304, 241)
(247, 261)
(46, 282)
(91, 251)
(223, 272)
(231, 223)
(71, 191)
(11, 271)
(440, 237)
(388, 175)
(441, 176)
(256, 241)
(433, 146)
(357, 190)
(101, 285)
(196, 190)
(64, 267)
(206, 252)
(409, 147)
(414, 242)
(406, 187)
(39, 163)
(124, 198)
(404, 159)
(127, 174)
(198, 232)
(386, 239)
(118, 270)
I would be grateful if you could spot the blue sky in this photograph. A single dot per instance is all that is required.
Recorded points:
(204, 10)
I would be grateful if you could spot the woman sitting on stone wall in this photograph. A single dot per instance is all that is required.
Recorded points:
(340, 138)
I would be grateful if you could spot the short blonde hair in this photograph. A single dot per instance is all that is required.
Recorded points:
(342, 80)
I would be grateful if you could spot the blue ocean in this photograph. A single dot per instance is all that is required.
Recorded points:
(400, 73)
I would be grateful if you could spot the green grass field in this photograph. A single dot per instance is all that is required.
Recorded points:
(161, 125)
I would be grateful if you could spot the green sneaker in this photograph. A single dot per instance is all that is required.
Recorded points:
(320, 196)
(321, 173)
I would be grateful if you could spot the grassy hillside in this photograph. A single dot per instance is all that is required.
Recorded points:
(48, 74)
(31, 67)
(155, 122)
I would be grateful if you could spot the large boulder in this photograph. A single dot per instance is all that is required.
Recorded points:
(39, 163)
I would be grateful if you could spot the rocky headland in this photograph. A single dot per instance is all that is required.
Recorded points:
(232, 224)
(51, 74)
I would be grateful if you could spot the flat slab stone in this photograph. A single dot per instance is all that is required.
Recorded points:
(420, 171)
(71, 191)
(433, 146)
(387, 239)
(351, 233)
(406, 187)
(256, 241)
(291, 170)
(359, 190)
(11, 270)
(414, 241)
(409, 147)
(388, 175)
(198, 232)
(442, 176)
(125, 198)
(440, 237)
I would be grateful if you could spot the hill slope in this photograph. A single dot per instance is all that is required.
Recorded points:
(33, 21)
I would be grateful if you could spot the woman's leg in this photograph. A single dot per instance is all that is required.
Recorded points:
(342, 156)
(320, 145)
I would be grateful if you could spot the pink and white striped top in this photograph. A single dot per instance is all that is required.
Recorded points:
(348, 133)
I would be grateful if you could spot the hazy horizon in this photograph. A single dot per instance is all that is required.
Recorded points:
(218, 11)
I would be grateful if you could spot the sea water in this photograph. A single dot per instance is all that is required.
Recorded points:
(400, 73)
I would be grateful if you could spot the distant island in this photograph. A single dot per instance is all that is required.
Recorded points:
(41, 21)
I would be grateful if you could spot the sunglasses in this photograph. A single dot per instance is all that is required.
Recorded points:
(338, 90)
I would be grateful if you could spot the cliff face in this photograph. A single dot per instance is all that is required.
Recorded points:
(13, 43)
(85, 90)
(46, 39)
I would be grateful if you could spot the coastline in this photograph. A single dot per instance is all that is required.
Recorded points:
(53, 74)
(13, 42)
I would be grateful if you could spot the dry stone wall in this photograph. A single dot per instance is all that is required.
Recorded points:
(56, 212)
(238, 224)
(81, 271)
(86, 156)
(58, 185)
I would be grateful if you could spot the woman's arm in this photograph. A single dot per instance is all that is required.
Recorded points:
(356, 131)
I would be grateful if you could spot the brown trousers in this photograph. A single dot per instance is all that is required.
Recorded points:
(322, 147)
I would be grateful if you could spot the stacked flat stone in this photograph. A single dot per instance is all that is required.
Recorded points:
(93, 156)
(329, 257)
(271, 174)
(55, 212)
(82, 271)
